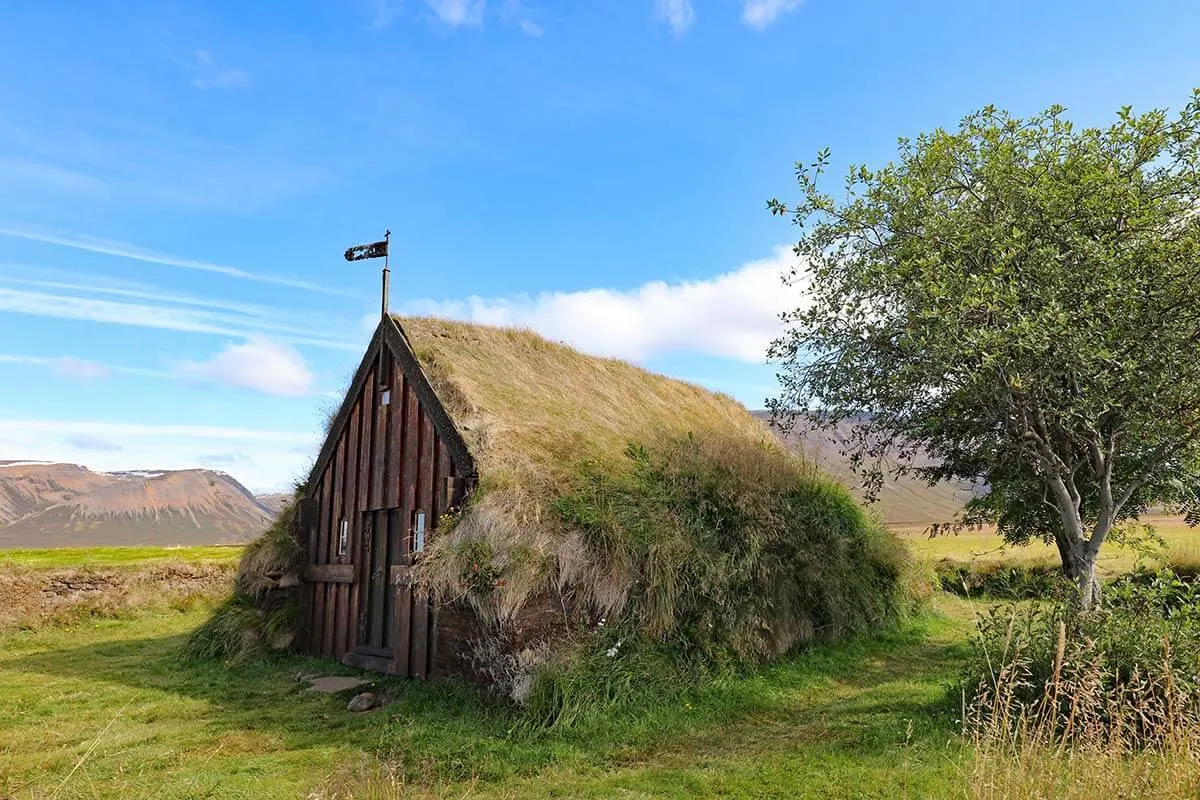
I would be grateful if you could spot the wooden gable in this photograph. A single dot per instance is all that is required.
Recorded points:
(392, 464)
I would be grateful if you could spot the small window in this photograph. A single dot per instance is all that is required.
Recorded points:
(343, 538)
(385, 397)
(418, 531)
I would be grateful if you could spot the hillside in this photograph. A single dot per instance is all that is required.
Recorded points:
(903, 501)
(54, 505)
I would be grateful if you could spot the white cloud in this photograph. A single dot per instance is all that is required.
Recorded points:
(88, 442)
(222, 460)
(19, 174)
(260, 364)
(678, 14)
(458, 13)
(735, 315)
(122, 430)
(761, 13)
(207, 74)
(383, 12)
(80, 369)
(120, 250)
(99, 284)
(515, 12)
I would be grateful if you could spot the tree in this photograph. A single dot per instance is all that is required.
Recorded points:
(1016, 304)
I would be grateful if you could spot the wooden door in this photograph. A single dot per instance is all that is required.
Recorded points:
(374, 609)
(395, 625)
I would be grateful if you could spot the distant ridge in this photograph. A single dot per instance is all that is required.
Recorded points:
(903, 502)
(46, 504)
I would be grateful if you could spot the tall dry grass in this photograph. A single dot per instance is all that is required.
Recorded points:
(262, 611)
(373, 779)
(1088, 731)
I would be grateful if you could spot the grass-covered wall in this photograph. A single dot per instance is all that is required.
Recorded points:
(643, 503)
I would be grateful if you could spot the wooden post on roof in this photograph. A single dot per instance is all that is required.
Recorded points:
(387, 240)
(378, 250)
(375, 250)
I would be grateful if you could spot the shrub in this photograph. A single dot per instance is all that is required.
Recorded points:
(233, 633)
(1124, 675)
(733, 552)
(1105, 704)
(614, 673)
(999, 582)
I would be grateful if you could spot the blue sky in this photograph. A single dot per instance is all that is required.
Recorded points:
(179, 179)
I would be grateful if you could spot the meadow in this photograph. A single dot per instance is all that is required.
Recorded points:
(93, 557)
(99, 704)
(1177, 545)
(106, 709)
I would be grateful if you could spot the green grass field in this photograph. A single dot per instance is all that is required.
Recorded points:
(94, 557)
(1181, 546)
(106, 709)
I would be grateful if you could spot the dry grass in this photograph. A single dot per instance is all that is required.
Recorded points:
(531, 409)
(1028, 771)
(533, 413)
(373, 779)
(33, 598)
(274, 554)
(261, 613)
(1091, 733)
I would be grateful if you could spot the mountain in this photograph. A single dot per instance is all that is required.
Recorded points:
(275, 502)
(903, 501)
(55, 505)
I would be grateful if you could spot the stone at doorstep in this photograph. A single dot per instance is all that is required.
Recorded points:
(362, 702)
(334, 684)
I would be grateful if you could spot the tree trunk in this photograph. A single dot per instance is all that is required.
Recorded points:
(1082, 569)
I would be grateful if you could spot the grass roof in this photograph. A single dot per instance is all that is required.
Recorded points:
(523, 402)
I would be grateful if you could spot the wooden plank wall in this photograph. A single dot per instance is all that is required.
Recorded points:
(390, 459)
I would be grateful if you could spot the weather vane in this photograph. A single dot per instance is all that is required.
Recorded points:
(362, 252)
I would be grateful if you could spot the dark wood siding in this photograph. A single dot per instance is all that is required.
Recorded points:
(387, 464)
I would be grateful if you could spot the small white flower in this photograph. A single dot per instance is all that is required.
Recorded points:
(611, 652)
